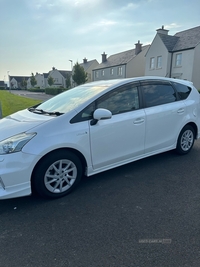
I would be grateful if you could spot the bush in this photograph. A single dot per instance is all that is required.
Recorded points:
(54, 91)
(36, 90)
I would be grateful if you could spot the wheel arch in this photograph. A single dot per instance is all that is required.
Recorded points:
(194, 126)
(74, 151)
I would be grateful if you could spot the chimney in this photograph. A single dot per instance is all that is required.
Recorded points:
(85, 60)
(162, 30)
(104, 57)
(53, 68)
(138, 47)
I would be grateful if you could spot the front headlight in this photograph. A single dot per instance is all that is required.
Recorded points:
(15, 143)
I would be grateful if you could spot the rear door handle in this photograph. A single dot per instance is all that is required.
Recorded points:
(181, 110)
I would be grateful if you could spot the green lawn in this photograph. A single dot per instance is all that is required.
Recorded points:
(11, 103)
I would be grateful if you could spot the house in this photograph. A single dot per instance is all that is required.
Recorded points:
(59, 77)
(88, 67)
(18, 82)
(176, 56)
(126, 64)
(41, 80)
(2, 85)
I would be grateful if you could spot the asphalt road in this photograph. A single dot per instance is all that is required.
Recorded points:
(144, 214)
(36, 95)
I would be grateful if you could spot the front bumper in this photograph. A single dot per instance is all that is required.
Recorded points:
(15, 174)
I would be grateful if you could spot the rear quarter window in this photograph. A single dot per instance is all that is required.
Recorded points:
(183, 91)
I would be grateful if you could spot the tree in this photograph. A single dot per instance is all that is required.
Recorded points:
(79, 76)
(50, 81)
(33, 80)
(24, 83)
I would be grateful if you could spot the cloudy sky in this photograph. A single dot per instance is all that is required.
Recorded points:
(37, 35)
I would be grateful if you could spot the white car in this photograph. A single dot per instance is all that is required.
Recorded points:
(92, 128)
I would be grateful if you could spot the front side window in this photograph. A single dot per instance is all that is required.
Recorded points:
(121, 100)
(96, 74)
(152, 63)
(111, 71)
(178, 62)
(158, 94)
(102, 72)
(159, 62)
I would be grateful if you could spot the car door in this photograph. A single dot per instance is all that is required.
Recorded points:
(165, 116)
(121, 138)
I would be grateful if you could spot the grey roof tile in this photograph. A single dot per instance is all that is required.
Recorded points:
(169, 41)
(119, 59)
(187, 39)
(19, 79)
(184, 40)
(88, 64)
(64, 73)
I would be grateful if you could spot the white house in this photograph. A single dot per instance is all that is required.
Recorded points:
(88, 67)
(59, 77)
(16, 82)
(175, 56)
(126, 64)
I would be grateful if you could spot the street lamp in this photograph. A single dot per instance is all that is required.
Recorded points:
(71, 74)
(71, 63)
(9, 80)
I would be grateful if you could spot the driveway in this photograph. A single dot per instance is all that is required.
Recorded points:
(144, 213)
(36, 95)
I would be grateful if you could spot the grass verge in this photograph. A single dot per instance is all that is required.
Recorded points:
(11, 103)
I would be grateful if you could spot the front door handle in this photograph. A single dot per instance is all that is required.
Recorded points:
(181, 110)
(139, 121)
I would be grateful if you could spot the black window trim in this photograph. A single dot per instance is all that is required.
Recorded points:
(160, 82)
(77, 117)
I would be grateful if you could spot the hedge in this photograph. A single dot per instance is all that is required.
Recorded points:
(36, 90)
(54, 91)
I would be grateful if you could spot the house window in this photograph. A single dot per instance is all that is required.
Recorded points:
(111, 71)
(152, 63)
(102, 73)
(159, 62)
(119, 71)
(178, 60)
(96, 74)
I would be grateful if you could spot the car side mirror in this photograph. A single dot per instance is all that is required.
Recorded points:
(100, 114)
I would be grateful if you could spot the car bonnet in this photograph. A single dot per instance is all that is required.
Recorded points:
(20, 122)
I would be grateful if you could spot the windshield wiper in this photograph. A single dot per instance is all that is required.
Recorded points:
(41, 111)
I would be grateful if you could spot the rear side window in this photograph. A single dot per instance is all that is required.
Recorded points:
(182, 90)
(158, 94)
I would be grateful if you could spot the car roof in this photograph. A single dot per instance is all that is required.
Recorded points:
(109, 83)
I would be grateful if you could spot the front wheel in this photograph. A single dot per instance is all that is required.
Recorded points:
(185, 140)
(57, 174)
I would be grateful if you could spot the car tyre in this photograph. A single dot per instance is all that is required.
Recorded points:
(57, 174)
(185, 140)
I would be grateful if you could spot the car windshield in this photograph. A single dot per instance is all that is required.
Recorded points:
(70, 99)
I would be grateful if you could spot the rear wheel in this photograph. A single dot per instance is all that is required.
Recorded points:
(57, 174)
(185, 140)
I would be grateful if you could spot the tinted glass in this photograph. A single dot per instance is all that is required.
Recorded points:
(121, 100)
(182, 90)
(158, 94)
(71, 99)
